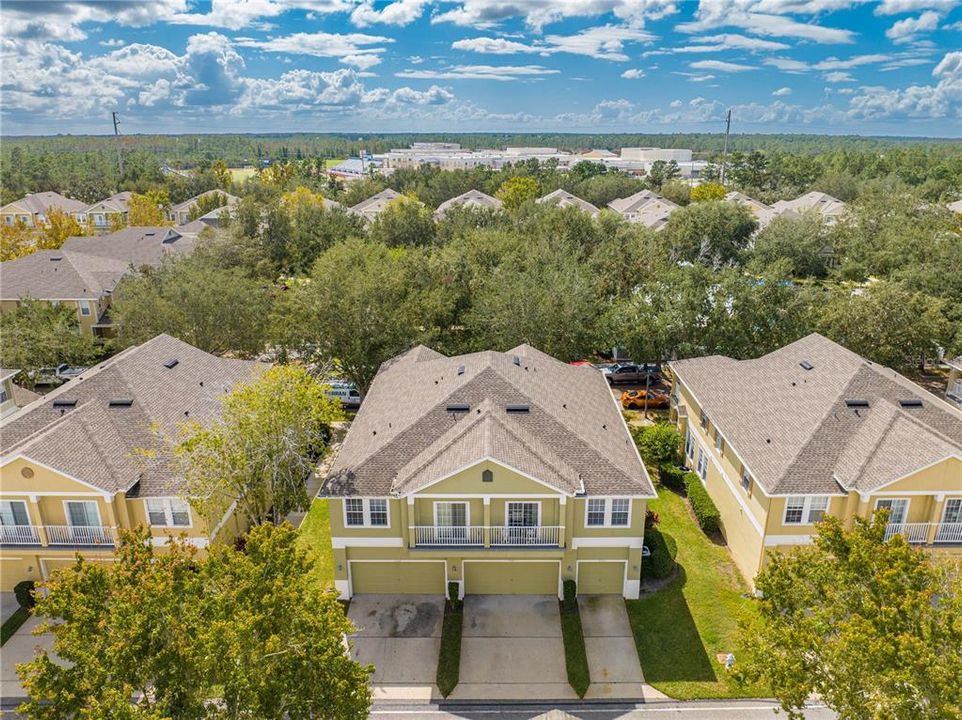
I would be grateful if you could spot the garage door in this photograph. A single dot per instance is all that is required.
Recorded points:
(601, 577)
(422, 578)
(511, 578)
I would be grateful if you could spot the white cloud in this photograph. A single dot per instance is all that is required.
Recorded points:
(900, 7)
(839, 76)
(720, 66)
(759, 17)
(606, 42)
(538, 13)
(495, 46)
(721, 43)
(62, 21)
(358, 49)
(942, 100)
(696, 77)
(434, 95)
(480, 72)
(633, 74)
(240, 14)
(782, 92)
(907, 30)
(400, 12)
(112, 42)
(675, 104)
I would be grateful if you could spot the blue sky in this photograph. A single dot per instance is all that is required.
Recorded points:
(837, 66)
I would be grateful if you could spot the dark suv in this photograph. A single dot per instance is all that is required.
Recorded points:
(632, 373)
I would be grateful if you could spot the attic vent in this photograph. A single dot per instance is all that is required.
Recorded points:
(171, 364)
(120, 402)
(911, 402)
(856, 403)
(806, 365)
(516, 360)
(460, 369)
(458, 407)
(64, 402)
(520, 408)
(56, 258)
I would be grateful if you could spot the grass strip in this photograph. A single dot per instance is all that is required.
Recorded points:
(449, 658)
(576, 657)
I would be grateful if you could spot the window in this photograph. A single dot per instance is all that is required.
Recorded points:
(172, 512)
(366, 512)
(897, 507)
(82, 513)
(689, 444)
(85, 307)
(487, 476)
(746, 479)
(719, 442)
(803, 510)
(704, 420)
(14, 512)
(953, 511)
(451, 514)
(8, 219)
(523, 514)
(702, 464)
(3, 395)
(608, 512)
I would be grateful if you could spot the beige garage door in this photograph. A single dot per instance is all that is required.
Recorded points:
(421, 578)
(511, 578)
(601, 577)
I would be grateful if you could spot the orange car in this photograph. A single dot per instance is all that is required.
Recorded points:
(635, 399)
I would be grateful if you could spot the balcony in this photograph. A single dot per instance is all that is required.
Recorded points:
(87, 535)
(19, 535)
(481, 536)
(918, 533)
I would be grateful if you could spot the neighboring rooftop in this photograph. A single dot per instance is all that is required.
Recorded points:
(133, 245)
(376, 203)
(115, 203)
(190, 202)
(471, 199)
(825, 204)
(76, 430)
(40, 203)
(527, 410)
(844, 424)
(563, 198)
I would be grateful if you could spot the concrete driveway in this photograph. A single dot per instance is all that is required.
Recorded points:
(511, 649)
(400, 635)
(19, 649)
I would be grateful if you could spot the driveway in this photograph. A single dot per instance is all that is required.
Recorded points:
(511, 649)
(19, 649)
(612, 656)
(8, 605)
(400, 635)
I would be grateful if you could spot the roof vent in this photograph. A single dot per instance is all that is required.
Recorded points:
(171, 364)
(856, 403)
(120, 402)
(519, 408)
(460, 369)
(806, 365)
(458, 407)
(911, 402)
(56, 258)
(65, 402)
(516, 360)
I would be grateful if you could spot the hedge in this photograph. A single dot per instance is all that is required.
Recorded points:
(701, 504)
(24, 593)
(663, 550)
(672, 476)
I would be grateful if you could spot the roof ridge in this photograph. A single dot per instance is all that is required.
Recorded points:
(886, 429)
(551, 463)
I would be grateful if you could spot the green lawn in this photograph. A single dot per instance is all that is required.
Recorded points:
(680, 630)
(316, 535)
(449, 654)
(239, 175)
(576, 657)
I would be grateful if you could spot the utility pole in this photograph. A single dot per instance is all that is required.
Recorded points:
(728, 129)
(120, 157)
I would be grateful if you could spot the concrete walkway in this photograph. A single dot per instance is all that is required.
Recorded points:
(8, 605)
(612, 656)
(401, 636)
(511, 649)
(19, 649)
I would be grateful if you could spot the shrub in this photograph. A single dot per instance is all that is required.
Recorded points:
(663, 550)
(570, 589)
(453, 588)
(651, 519)
(24, 593)
(672, 476)
(658, 444)
(701, 504)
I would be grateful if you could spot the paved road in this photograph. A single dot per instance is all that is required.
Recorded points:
(705, 710)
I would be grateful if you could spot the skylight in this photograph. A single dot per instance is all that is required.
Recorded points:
(120, 402)
(911, 402)
(806, 365)
(65, 402)
(517, 408)
(856, 403)
(458, 407)
(171, 364)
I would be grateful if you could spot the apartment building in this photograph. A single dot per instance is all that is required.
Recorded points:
(33, 209)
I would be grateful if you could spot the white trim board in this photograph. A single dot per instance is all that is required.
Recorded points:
(339, 543)
(488, 458)
(630, 542)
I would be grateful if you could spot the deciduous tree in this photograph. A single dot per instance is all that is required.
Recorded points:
(149, 209)
(516, 191)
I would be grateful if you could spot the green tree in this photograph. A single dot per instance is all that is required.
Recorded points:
(217, 309)
(713, 233)
(405, 222)
(516, 191)
(268, 439)
(803, 242)
(659, 444)
(708, 191)
(662, 171)
(678, 191)
(222, 173)
(59, 227)
(207, 203)
(242, 634)
(148, 210)
(40, 335)
(874, 627)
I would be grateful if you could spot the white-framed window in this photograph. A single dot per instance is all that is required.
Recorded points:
(746, 479)
(523, 514)
(85, 307)
(14, 512)
(953, 511)
(804, 510)
(366, 512)
(451, 514)
(82, 513)
(168, 512)
(8, 219)
(3, 395)
(702, 467)
(608, 512)
(898, 509)
(689, 444)
(719, 442)
(704, 420)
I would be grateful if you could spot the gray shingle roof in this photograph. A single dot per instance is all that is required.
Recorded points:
(190, 202)
(115, 203)
(376, 203)
(795, 432)
(563, 198)
(134, 245)
(573, 437)
(102, 445)
(472, 198)
(42, 202)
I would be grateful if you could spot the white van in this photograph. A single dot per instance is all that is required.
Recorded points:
(344, 391)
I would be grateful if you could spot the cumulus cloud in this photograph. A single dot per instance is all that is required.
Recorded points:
(941, 100)
(782, 92)
(357, 49)
(62, 21)
(434, 95)
(235, 15)
(400, 12)
(839, 76)
(633, 74)
(760, 17)
(605, 42)
(538, 13)
(909, 29)
(900, 7)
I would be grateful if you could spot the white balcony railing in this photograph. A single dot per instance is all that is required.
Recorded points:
(19, 535)
(446, 535)
(913, 532)
(79, 535)
(540, 535)
(949, 533)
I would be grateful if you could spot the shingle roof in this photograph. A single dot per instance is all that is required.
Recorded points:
(472, 198)
(103, 445)
(824, 203)
(572, 438)
(87, 267)
(794, 430)
(190, 202)
(563, 198)
(762, 213)
(633, 202)
(42, 202)
(115, 203)
(376, 203)
(7, 373)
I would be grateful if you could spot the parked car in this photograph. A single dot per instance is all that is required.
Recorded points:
(344, 391)
(635, 399)
(633, 373)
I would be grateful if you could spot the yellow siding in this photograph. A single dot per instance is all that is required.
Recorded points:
(469, 482)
